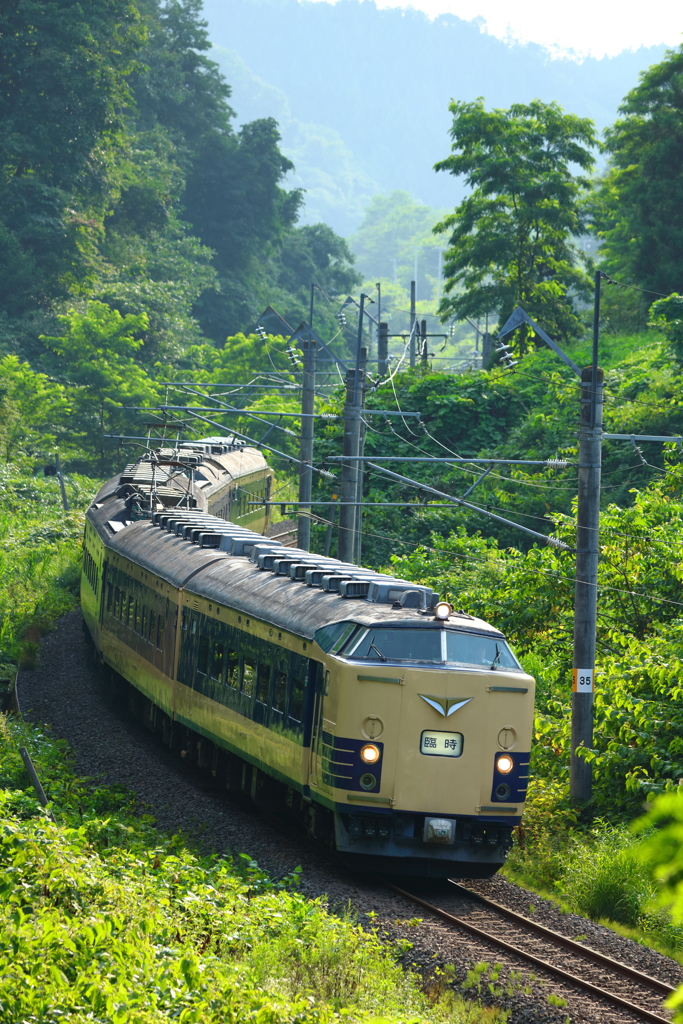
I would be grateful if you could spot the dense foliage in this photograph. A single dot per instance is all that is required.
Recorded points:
(105, 918)
(512, 238)
(40, 552)
(638, 206)
(527, 588)
(124, 181)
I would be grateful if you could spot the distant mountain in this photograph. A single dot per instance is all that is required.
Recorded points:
(338, 188)
(362, 94)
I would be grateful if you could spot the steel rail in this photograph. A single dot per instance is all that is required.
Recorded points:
(537, 961)
(563, 940)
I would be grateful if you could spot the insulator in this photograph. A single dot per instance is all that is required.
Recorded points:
(261, 331)
(556, 463)
(295, 362)
(556, 543)
(341, 318)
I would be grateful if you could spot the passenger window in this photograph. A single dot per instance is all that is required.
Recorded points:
(263, 682)
(217, 662)
(280, 691)
(160, 633)
(145, 622)
(117, 603)
(194, 625)
(296, 701)
(152, 634)
(130, 612)
(203, 655)
(232, 673)
(110, 596)
(185, 619)
(248, 676)
(138, 613)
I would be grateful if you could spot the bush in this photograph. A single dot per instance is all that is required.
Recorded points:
(40, 559)
(103, 918)
(605, 878)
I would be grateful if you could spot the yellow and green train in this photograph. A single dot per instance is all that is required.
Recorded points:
(392, 728)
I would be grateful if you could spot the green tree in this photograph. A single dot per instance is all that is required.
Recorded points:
(97, 356)
(511, 238)
(33, 410)
(232, 197)
(394, 228)
(638, 208)
(667, 315)
(63, 85)
(315, 253)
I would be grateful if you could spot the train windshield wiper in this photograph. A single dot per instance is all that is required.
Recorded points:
(377, 651)
(496, 661)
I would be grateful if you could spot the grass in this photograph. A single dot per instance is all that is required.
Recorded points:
(592, 870)
(40, 549)
(103, 918)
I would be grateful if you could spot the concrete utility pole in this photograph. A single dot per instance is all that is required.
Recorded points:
(383, 350)
(378, 286)
(60, 477)
(306, 443)
(412, 323)
(358, 540)
(486, 351)
(587, 553)
(423, 345)
(349, 482)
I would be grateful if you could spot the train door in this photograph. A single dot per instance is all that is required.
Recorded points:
(105, 598)
(316, 687)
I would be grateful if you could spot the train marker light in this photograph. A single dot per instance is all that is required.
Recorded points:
(504, 764)
(369, 753)
(442, 610)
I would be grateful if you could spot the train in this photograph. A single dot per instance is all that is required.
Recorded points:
(359, 707)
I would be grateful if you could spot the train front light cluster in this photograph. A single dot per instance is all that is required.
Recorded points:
(369, 753)
(504, 764)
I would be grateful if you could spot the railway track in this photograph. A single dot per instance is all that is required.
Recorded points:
(598, 988)
(579, 966)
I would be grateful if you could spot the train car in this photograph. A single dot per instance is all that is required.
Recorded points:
(392, 728)
(218, 475)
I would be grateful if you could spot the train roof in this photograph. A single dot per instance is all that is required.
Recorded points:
(236, 568)
(212, 463)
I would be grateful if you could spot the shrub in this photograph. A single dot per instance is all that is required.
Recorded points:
(605, 878)
(104, 918)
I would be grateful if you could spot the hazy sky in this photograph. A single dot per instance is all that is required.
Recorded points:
(583, 26)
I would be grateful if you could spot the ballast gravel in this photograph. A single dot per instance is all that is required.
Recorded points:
(65, 692)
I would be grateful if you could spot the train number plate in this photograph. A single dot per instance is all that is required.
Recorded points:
(441, 744)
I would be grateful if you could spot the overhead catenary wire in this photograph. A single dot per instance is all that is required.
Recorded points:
(466, 504)
(518, 566)
(260, 444)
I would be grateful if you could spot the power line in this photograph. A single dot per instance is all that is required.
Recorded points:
(507, 565)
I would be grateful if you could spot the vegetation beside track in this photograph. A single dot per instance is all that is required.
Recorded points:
(104, 918)
(40, 551)
(589, 861)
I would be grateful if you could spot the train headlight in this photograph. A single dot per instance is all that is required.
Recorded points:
(442, 610)
(504, 764)
(369, 753)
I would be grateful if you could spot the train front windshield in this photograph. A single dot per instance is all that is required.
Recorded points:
(466, 650)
